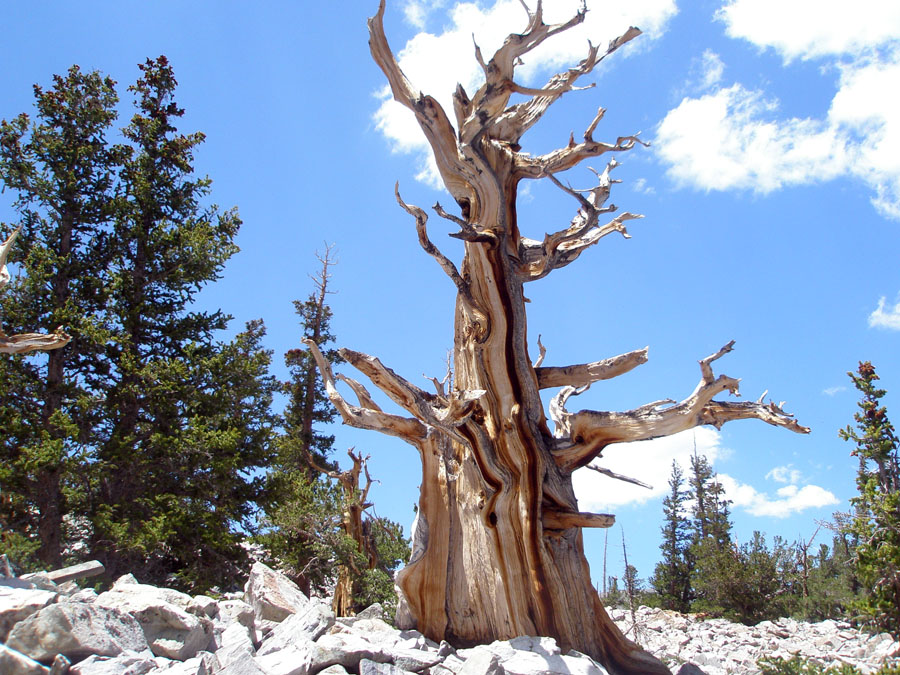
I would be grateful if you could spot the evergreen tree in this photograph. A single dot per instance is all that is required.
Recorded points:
(61, 169)
(186, 418)
(304, 509)
(876, 521)
(319, 527)
(711, 555)
(138, 442)
(672, 576)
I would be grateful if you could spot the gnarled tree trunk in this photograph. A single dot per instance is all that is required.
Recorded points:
(497, 547)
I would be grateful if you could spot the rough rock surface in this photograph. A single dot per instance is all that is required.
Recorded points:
(273, 629)
(720, 647)
(76, 630)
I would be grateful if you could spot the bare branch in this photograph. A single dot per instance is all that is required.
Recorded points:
(565, 158)
(561, 248)
(365, 398)
(540, 359)
(618, 476)
(517, 119)
(408, 429)
(564, 520)
(584, 435)
(458, 175)
(25, 342)
(30, 342)
(586, 373)
(446, 264)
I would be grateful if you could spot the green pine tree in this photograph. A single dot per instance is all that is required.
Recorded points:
(187, 418)
(672, 576)
(875, 526)
(61, 169)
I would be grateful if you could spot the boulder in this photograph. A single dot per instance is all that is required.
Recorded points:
(205, 663)
(308, 625)
(126, 663)
(246, 665)
(233, 643)
(272, 595)
(481, 661)
(16, 663)
(76, 630)
(347, 650)
(171, 629)
(17, 604)
(367, 667)
(293, 659)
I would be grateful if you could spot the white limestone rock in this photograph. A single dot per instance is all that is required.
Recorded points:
(76, 630)
(13, 662)
(347, 650)
(126, 663)
(233, 643)
(367, 667)
(292, 659)
(481, 661)
(171, 629)
(17, 604)
(272, 595)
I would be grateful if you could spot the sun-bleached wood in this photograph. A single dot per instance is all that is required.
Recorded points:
(497, 543)
(25, 342)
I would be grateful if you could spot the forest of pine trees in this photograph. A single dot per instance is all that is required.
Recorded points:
(154, 445)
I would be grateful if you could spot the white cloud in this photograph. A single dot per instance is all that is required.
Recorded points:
(885, 317)
(733, 138)
(788, 500)
(812, 28)
(435, 63)
(640, 185)
(648, 461)
(723, 141)
(713, 68)
(831, 391)
(784, 474)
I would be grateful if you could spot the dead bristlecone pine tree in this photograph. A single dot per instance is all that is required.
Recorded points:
(497, 546)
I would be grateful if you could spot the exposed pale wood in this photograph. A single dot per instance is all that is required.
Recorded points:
(563, 520)
(587, 433)
(618, 476)
(586, 373)
(85, 570)
(25, 342)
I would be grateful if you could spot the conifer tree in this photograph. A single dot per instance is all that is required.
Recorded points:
(320, 528)
(672, 577)
(186, 417)
(61, 169)
(876, 522)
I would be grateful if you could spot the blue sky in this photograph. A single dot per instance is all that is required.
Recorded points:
(771, 196)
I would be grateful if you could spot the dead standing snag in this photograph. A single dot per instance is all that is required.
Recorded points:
(497, 549)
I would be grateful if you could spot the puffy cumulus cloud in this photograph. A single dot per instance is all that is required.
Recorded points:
(723, 141)
(733, 138)
(808, 29)
(885, 316)
(784, 474)
(648, 461)
(787, 501)
(435, 63)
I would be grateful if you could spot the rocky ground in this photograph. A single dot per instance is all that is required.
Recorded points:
(49, 628)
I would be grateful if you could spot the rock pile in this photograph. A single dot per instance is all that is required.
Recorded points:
(270, 629)
(274, 629)
(720, 647)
